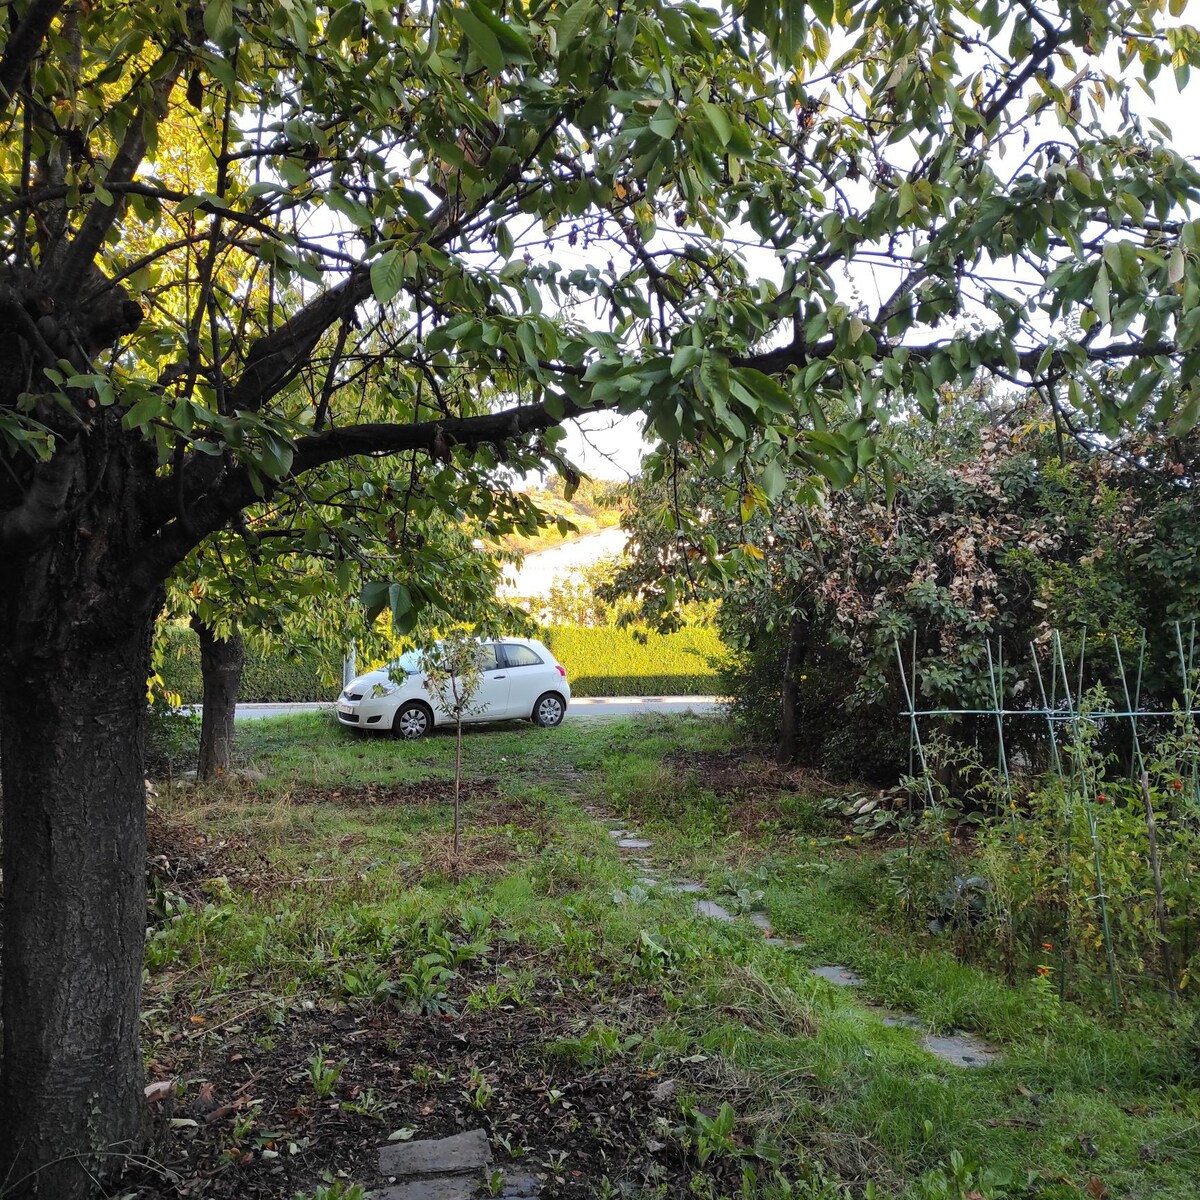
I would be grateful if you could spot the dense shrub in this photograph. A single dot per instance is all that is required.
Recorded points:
(836, 733)
(599, 662)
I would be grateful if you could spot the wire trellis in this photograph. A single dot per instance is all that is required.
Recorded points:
(1069, 714)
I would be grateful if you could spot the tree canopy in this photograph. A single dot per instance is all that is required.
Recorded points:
(388, 187)
(224, 223)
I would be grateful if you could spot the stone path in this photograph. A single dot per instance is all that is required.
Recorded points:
(450, 1168)
(959, 1049)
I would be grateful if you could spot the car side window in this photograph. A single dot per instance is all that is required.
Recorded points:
(487, 656)
(521, 656)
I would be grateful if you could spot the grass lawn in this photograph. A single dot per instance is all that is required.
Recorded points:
(322, 976)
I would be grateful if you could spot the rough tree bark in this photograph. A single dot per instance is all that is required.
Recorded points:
(797, 650)
(221, 663)
(73, 667)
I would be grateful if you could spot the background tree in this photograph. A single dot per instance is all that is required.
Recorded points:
(291, 573)
(990, 530)
(403, 177)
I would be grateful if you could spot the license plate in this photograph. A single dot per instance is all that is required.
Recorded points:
(345, 708)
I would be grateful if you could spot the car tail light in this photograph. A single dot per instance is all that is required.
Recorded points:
(561, 669)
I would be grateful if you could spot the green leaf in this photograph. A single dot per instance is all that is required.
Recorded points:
(1188, 415)
(1177, 267)
(143, 412)
(1100, 294)
(275, 456)
(394, 596)
(773, 480)
(573, 20)
(823, 10)
(218, 19)
(483, 39)
(497, 42)
(387, 275)
(344, 22)
(719, 121)
(684, 359)
(349, 207)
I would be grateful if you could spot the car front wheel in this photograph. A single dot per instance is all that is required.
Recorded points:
(412, 720)
(549, 710)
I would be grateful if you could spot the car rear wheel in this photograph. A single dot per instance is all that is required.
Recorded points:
(549, 710)
(412, 720)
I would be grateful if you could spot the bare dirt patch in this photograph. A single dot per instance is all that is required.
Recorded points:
(244, 1119)
(182, 859)
(380, 795)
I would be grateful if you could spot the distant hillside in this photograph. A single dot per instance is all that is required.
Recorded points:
(561, 560)
(593, 507)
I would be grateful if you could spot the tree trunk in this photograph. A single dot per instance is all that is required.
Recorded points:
(221, 663)
(72, 702)
(457, 780)
(785, 748)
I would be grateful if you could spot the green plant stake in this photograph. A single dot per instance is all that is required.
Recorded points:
(1080, 745)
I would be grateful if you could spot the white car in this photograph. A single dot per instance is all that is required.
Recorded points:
(522, 680)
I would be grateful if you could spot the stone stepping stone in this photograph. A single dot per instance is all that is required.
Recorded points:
(619, 833)
(959, 1049)
(458, 1187)
(449, 1168)
(718, 912)
(684, 887)
(634, 843)
(841, 976)
(897, 1020)
(761, 920)
(519, 1185)
(785, 943)
(433, 1187)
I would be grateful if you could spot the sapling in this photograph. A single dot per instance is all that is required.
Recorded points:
(453, 675)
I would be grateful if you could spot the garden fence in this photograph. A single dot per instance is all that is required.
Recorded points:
(1087, 708)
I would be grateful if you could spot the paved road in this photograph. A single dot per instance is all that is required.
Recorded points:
(581, 708)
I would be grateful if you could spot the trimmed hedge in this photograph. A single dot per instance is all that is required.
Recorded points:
(276, 677)
(604, 661)
(599, 662)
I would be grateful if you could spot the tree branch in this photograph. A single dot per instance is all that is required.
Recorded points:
(43, 509)
(23, 46)
(235, 489)
(273, 358)
(795, 354)
(71, 270)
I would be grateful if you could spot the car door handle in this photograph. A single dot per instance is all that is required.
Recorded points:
(499, 676)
